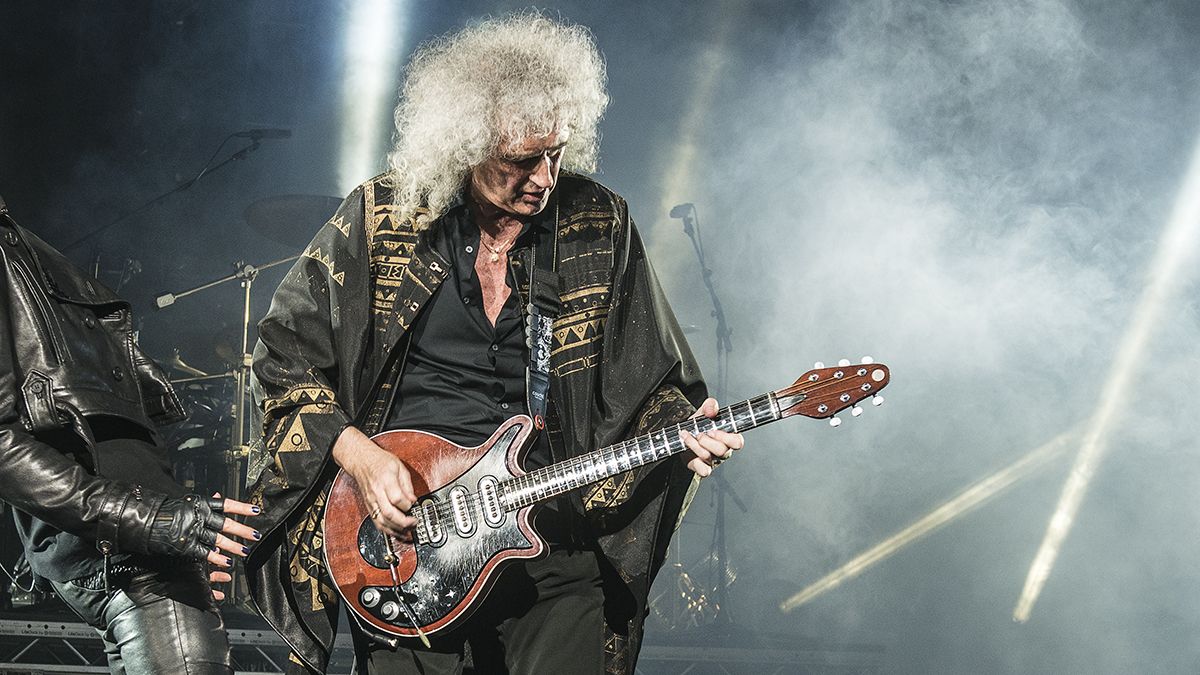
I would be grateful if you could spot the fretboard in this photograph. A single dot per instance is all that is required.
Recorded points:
(556, 479)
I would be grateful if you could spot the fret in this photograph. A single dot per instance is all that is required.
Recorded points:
(648, 449)
(747, 416)
(589, 471)
(580, 469)
(640, 458)
(574, 473)
(669, 440)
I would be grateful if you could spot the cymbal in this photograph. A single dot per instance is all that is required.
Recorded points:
(290, 219)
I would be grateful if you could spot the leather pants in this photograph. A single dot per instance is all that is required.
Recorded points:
(154, 621)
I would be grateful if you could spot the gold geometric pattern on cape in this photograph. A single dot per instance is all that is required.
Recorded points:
(326, 261)
(317, 396)
(610, 492)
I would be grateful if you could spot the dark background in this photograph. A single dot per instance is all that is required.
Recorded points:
(974, 192)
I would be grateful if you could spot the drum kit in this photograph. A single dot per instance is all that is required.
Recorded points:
(212, 448)
(215, 449)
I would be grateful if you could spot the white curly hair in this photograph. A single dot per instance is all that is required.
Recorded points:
(496, 82)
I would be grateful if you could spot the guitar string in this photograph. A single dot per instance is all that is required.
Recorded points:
(567, 474)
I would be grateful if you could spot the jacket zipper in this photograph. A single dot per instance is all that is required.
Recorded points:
(42, 321)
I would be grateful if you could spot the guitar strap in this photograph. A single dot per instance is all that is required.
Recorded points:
(544, 305)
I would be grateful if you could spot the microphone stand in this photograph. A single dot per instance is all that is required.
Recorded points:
(239, 450)
(205, 170)
(691, 227)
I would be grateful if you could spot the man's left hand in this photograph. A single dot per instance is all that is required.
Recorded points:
(711, 447)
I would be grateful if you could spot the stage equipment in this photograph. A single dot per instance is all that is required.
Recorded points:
(208, 168)
(259, 134)
(724, 344)
(474, 514)
(240, 418)
(684, 604)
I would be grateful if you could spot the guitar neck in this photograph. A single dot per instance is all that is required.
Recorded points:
(556, 479)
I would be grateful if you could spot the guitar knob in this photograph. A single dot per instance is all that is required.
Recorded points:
(856, 411)
(370, 597)
(877, 400)
(867, 359)
(844, 362)
(835, 421)
(819, 365)
(390, 610)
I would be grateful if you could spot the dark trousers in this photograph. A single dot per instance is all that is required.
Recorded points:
(544, 616)
(155, 622)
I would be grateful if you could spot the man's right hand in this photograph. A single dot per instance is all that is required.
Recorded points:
(384, 482)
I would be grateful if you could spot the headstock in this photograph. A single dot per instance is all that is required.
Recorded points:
(824, 392)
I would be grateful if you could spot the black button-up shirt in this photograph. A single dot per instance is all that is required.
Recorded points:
(464, 377)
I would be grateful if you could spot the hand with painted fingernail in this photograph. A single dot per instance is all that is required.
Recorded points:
(230, 538)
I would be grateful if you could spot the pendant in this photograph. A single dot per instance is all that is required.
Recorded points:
(495, 257)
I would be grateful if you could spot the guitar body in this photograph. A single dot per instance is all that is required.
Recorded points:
(440, 582)
(474, 515)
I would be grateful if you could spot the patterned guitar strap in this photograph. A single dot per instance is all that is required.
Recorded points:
(544, 305)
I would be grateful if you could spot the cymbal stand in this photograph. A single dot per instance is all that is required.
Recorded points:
(239, 450)
(691, 227)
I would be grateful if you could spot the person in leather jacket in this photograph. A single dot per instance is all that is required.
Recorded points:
(97, 509)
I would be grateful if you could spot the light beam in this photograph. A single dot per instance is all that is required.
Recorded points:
(956, 507)
(373, 44)
(678, 183)
(1178, 241)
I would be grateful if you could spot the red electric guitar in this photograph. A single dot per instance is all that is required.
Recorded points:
(475, 513)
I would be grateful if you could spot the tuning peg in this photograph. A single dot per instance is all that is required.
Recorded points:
(835, 421)
(876, 400)
(844, 362)
(819, 365)
(867, 359)
(856, 411)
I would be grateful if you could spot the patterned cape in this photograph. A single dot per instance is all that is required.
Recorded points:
(619, 367)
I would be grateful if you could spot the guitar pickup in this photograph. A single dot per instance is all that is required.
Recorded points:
(489, 498)
(430, 524)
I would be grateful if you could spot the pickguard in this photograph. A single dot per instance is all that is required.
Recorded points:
(455, 570)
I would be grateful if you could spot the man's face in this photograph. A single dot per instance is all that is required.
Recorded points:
(520, 178)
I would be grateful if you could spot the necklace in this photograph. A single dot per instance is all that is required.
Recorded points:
(496, 252)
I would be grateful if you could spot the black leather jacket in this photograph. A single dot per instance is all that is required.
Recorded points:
(67, 352)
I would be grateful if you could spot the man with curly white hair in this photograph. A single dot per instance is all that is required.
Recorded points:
(424, 304)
